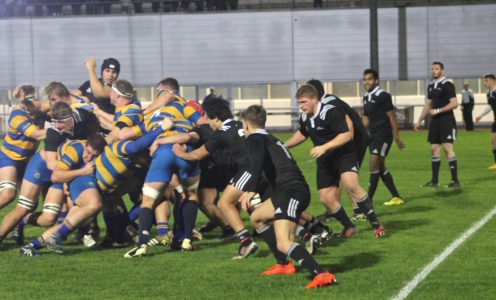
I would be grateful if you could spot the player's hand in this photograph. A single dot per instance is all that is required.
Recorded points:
(400, 144)
(167, 124)
(432, 112)
(96, 108)
(478, 119)
(416, 126)
(90, 63)
(66, 190)
(167, 96)
(89, 168)
(317, 151)
(153, 148)
(244, 200)
(179, 150)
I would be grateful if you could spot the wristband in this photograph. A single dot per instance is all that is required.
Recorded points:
(438, 111)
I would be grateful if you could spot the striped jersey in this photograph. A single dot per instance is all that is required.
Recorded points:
(17, 144)
(70, 155)
(127, 116)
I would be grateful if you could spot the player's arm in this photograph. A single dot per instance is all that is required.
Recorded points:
(104, 118)
(133, 147)
(178, 138)
(425, 111)
(63, 175)
(52, 141)
(37, 134)
(163, 97)
(453, 102)
(197, 154)
(394, 127)
(296, 139)
(349, 122)
(365, 121)
(98, 89)
(336, 121)
(77, 93)
(485, 112)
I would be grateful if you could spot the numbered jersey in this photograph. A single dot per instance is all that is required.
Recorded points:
(227, 146)
(269, 157)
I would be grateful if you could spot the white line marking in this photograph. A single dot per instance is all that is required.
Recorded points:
(410, 286)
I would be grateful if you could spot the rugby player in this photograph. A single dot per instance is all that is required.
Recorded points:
(380, 118)
(441, 101)
(269, 157)
(490, 84)
(75, 167)
(330, 132)
(66, 123)
(25, 130)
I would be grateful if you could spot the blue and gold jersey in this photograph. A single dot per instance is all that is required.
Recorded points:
(70, 155)
(128, 116)
(183, 116)
(113, 166)
(17, 144)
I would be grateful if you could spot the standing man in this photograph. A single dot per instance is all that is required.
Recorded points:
(490, 84)
(467, 107)
(379, 116)
(97, 90)
(441, 101)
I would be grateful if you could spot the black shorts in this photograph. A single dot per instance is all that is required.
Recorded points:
(360, 148)
(329, 170)
(442, 131)
(493, 129)
(263, 187)
(380, 144)
(290, 203)
(213, 178)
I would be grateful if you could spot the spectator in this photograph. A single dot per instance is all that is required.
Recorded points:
(138, 6)
(125, 4)
(467, 107)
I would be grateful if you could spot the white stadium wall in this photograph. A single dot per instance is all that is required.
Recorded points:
(247, 47)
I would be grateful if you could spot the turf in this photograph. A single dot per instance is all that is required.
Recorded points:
(366, 268)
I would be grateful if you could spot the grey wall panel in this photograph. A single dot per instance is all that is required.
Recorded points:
(331, 45)
(418, 64)
(62, 44)
(388, 43)
(235, 47)
(145, 64)
(463, 38)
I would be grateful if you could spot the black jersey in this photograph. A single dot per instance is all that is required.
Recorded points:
(270, 158)
(491, 100)
(104, 104)
(205, 133)
(440, 92)
(227, 146)
(375, 106)
(359, 130)
(328, 122)
(85, 123)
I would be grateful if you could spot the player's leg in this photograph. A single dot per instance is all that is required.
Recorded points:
(28, 199)
(387, 178)
(52, 206)
(493, 144)
(8, 185)
(288, 206)
(228, 206)
(261, 218)
(207, 197)
(190, 209)
(375, 174)
(453, 164)
(328, 197)
(435, 165)
(350, 182)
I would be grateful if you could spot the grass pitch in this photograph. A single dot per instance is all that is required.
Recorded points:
(366, 268)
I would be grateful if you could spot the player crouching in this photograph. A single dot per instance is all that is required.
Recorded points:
(74, 166)
(291, 197)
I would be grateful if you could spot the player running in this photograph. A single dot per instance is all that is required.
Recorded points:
(380, 118)
(328, 128)
(291, 196)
